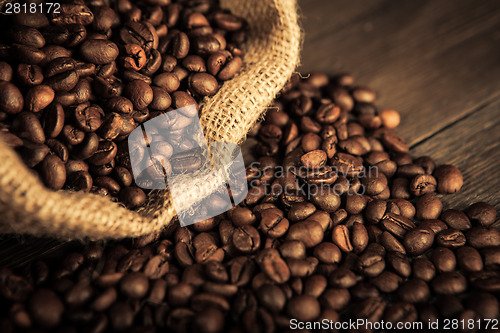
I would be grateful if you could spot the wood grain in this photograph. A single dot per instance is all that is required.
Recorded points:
(433, 61)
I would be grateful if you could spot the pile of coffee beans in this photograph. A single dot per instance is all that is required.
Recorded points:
(339, 223)
(74, 84)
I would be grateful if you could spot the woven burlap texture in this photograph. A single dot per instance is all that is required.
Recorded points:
(272, 54)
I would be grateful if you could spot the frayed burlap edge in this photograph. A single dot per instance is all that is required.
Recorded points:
(273, 50)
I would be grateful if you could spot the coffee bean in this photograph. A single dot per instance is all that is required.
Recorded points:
(341, 237)
(371, 263)
(335, 299)
(88, 117)
(314, 159)
(450, 238)
(400, 312)
(423, 269)
(375, 183)
(46, 308)
(99, 51)
(444, 259)
(484, 304)
(469, 259)
(482, 213)
(53, 172)
(456, 219)
(11, 99)
(303, 307)
(481, 237)
(391, 243)
(294, 249)
(246, 239)
(203, 84)
(449, 283)
(132, 196)
(428, 207)
(308, 232)
(6, 71)
(399, 263)
(134, 285)
(398, 225)
(273, 265)
(394, 142)
(387, 281)
(273, 224)
(449, 179)
(371, 309)
(121, 316)
(29, 75)
(422, 184)
(414, 291)
(435, 225)
(139, 93)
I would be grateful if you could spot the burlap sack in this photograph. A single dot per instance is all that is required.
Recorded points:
(273, 48)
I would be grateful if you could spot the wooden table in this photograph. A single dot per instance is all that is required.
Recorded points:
(437, 62)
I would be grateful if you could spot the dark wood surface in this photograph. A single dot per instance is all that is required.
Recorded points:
(437, 62)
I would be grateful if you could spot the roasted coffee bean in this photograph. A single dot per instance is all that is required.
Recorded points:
(484, 304)
(139, 93)
(99, 51)
(435, 225)
(308, 232)
(387, 281)
(53, 172)
(450, 238)
(335, 299)
(399, 263)
(6, 71)
(80, 181)
(293, 249)
(449, 179)
(303, 307)
(105, 153)
(414, 291)
(449, 283)
(273, 224)
(423, 269)
(46, 308)
(470, 260)
(203, 84)
(246, 239)
(11, 100)
(273, 265)
(481, 237)
(444, 259)
(371, 309)
(134, 285)
(132, 196)
(398, 225)
(29, 75)
(341, 237)
(371, 263)
(88, 117)
(429, 207)
(456, 219)
(422, 184)
(391, 243)
(482, 213)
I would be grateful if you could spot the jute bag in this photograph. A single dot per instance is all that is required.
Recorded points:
(272, 54)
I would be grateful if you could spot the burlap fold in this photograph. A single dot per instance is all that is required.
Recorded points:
(272, 54)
